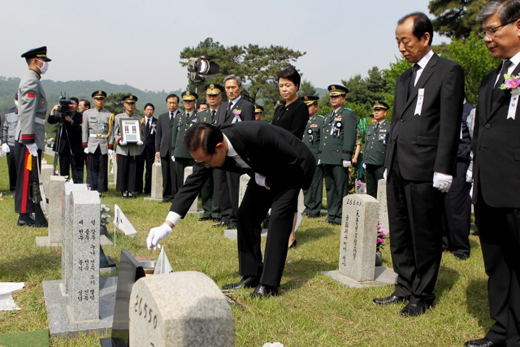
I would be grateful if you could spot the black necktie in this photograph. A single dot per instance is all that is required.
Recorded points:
(501, 79)
(147, 126)
(213, 112)
(172, 118)
(415, 68)
(230, 105)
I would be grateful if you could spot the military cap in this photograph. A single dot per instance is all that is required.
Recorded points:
(310, 99)
(40, 52)
(337, 90)
(259, 109)
(130, 99)
(189, 96)
(99, 94)
(213, 89)
(380, 105)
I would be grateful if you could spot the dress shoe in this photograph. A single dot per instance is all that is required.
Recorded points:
(221, 224)
(245, 282)
(124, 194)
(216, 219)
(314, 216)
(482, 343)
(461, 256)
(232, 225)
(414, 310)
(262, 291)
(41, 224)
(293, 245)
(130, 195)
(201, 219)
(25, 220)
(392, 299)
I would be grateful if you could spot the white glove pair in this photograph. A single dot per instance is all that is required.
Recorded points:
(33, 149)
(442, 182)
(157, 234)
(5, 148)
(110, 151)
(173, 158)
(346, 163)
(85, 151)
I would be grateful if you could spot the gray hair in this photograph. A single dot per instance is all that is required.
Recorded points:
(506, 10)
(233, 77)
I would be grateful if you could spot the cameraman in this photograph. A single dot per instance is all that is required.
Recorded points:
(68, 140)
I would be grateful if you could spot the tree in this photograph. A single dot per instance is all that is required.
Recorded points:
(455, 18)
(307, 88)
(364, 91)
(114, 104)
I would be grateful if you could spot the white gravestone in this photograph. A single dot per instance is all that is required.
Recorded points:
(55, 209)
(46, 172)
(188, 170)
(180, 309)
(157, 181)
(383, 204)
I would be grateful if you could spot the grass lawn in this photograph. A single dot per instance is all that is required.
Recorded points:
(311, 310)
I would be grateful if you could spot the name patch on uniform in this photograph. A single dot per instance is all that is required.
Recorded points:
(31, 95)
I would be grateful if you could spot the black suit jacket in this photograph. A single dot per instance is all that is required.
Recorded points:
(496, 147)
(74, 131)
(269, 150)
(163, 136)
(225, 116)
(428, 142)
(293, 117)
(149, 137)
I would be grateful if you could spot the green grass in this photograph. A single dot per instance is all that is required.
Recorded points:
(312, 309)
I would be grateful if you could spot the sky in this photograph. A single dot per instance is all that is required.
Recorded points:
(138, 42)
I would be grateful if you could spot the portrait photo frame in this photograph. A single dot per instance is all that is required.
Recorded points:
(130, 130)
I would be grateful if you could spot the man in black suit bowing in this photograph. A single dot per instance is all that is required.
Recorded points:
(496, 148)
(163, 147)
(148, 156)
(235, 110)
(279, 165)
(420, 162)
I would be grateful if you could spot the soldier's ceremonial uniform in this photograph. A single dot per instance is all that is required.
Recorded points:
(98, 138)
(30, 138)
(313, 196)
(338, 138)
(129, 161)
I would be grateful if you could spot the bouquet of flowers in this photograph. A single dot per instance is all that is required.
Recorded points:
(381, 236)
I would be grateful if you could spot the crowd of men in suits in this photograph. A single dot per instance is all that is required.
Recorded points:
(431, 152)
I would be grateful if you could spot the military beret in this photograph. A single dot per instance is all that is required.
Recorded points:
(259, 109)
(130, 99)
(213, 89)
(380, 104)
(40, 52)
(310, 99)
(337, 90)
(189, 96)
(99, 94)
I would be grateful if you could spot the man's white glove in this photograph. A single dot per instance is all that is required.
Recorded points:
(5, 148)
(346, 163)
(319, 162)
(442, 182)
(364, 166)
(33, 149)
(385, 174)
(85, 151)
(260, 180)
(110, 152)
(173, 158)
(122, 143)
(140, 143)
(469, 173)
(157, 234)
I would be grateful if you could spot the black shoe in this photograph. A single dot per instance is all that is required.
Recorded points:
(245, 282)
(221, 224)
(461, 256)
(201, 219)
(314, 216)
(124, 194)
(216, 219)
(232, 225)
(414, 310)
(293, 245)
(41, 223)
(482, 343)
(262, 291)
(130, 195)
(392, 299)
(25, 220)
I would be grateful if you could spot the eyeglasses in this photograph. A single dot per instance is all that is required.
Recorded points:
(492, 31)
(206, 163)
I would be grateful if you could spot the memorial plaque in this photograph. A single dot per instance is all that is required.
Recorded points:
(180, 309)
(358, 237)
(383, 204)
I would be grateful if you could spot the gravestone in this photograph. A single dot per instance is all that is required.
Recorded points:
(46, 171)
(55, 228)
(383, 204)
(244, 181)
(180, 309)
(358, 244)
(188, 170)
(157, 181)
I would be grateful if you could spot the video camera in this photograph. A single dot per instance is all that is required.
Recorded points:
(200, 68)
(63, 108)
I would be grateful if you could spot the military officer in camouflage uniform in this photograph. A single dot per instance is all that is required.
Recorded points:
(209, 192)
(98, 142)
(129, 162)
(338, 136)
(311, 137)
(183, 122)
(30, 138)
(375, 147)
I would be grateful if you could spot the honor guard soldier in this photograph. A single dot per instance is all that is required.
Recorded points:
(183, 122)
(98, 142)
(311, 137)
(338, 138)
(129, 162)
(8, 134)
(30, 139)
(259, 111)
(209, 192)
(375, 147)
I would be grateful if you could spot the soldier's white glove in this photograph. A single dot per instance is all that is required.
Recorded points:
(173, 158)
(33, 149)
(5, 148)
(140, 143)
(85, 151)
(110, 151)
(346, 163)
(157, 234)
(122, 143)
(364, 166)
(442, 182)
(319, 162)
(385, 174)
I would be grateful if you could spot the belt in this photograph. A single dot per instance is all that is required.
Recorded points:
(97, 135)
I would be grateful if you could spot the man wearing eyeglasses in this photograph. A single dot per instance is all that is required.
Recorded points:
(496, 148)
(420, 162)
